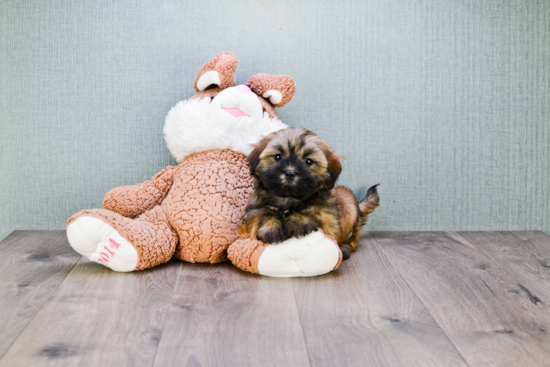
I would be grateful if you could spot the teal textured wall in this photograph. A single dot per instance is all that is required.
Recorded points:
(445, 103)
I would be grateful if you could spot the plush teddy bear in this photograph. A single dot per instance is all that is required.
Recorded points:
(192, 211)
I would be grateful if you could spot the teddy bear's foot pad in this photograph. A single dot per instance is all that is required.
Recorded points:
(308, 256)
(101, 243)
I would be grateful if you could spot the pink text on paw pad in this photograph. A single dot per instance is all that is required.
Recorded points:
(109, 251)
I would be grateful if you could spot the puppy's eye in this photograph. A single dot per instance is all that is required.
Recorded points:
(309, 162)
(278, 157)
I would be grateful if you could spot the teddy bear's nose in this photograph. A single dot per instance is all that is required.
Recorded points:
(243, 88)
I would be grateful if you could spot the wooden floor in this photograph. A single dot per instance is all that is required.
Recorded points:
(403, 299)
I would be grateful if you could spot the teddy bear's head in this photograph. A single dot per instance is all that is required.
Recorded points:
(225, 115)
(259, 94)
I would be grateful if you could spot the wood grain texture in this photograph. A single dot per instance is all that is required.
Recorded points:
(365, 314)
(98, 318)
(32, 265)
(525, 256)
(403, 299)
(483, 310)
(221, 316)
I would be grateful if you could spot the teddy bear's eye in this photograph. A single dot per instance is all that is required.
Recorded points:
(309, 161)
(278, 157)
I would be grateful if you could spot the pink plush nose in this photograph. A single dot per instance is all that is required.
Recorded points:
(243, 88)
(235, 112)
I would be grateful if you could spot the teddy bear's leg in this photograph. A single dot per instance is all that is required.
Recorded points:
(120, 243)
(311, 255)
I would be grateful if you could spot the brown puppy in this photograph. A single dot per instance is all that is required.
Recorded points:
(295, 172)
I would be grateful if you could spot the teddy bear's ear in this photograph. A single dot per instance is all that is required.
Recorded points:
(278, 89)
(219, 72)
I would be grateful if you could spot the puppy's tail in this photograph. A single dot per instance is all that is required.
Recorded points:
(368, 204)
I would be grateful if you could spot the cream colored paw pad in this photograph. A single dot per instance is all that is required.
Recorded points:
(307, 256)
(101, 243)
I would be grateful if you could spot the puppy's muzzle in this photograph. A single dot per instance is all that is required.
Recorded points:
(290, 174)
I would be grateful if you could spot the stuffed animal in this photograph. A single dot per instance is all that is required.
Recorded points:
(192, 211)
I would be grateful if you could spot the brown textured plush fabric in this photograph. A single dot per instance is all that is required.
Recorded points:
(226, 65)
(193, 211)
(261, 83)
(245, 254)
(340, 251)
(206, 202)
(201, 203)
(153, 238)
(131, 201)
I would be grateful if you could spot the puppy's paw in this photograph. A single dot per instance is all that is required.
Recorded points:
(271, 233)
(346, 251)
(294, 228)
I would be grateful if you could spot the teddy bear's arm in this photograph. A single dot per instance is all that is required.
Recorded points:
(131, 201)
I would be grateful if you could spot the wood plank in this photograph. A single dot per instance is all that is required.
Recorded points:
(222, 316)
(537, 243)
(99, 317)
(365, 314)
(32, 265)
(523, 255)
(478, 305)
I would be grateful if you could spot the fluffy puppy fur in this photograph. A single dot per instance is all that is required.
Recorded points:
(295, 172)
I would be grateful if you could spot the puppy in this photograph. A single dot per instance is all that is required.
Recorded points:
(294, 195)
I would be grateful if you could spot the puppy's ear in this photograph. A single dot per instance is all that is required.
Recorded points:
(334, 168)
(254, 156)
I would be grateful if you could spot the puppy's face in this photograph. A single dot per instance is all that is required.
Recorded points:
(294, 162)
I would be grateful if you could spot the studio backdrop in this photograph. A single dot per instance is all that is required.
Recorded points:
(446, 104)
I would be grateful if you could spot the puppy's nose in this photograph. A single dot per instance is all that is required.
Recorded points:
(289, 173)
